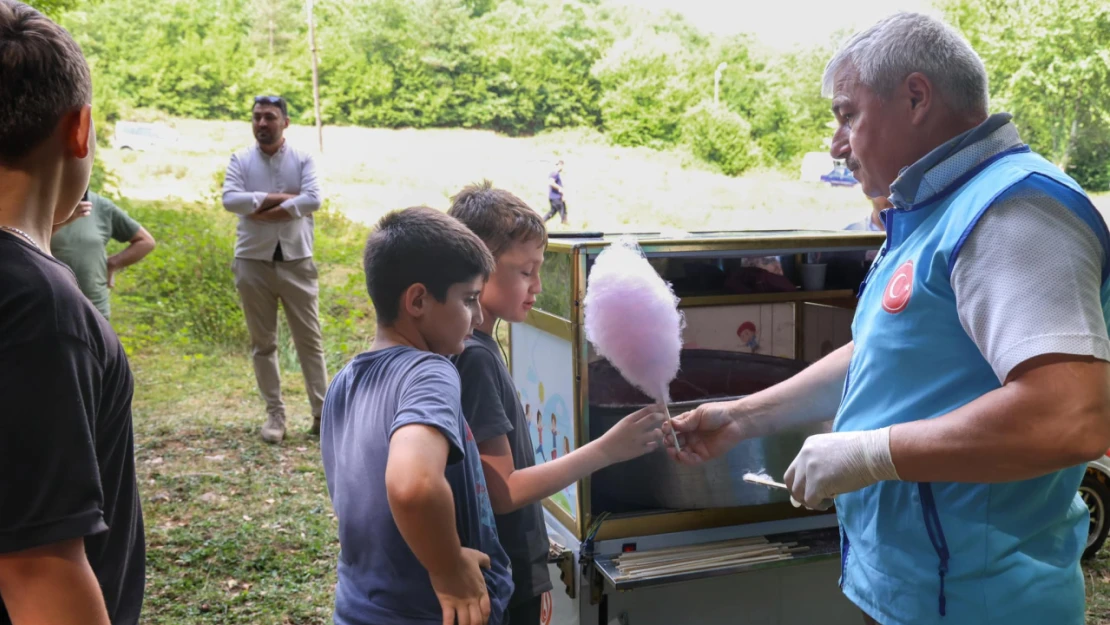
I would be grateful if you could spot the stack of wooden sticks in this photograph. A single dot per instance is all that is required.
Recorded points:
(658, 562)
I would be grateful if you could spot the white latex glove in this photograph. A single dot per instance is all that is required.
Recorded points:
(838, 463)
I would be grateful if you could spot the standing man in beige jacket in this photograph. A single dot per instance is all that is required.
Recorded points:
(273, 189)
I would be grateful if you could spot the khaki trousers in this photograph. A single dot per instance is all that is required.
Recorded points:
(261, 285)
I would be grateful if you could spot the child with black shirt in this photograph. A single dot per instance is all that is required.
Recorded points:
(516, 237)
(71, 526)
(418, 542)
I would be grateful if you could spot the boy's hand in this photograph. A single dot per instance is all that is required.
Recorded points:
(462, 592)
(634, 435)
(704, 433)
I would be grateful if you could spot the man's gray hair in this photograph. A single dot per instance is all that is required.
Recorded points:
(904, 43)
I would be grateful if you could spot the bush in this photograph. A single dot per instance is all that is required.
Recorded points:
(183, 294)
(720, 137)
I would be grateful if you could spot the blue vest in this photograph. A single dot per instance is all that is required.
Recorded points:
(917, 553)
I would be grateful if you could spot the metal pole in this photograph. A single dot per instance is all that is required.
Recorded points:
(717, 83)
(315, 75)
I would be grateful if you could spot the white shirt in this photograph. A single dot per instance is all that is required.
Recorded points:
(1028, 280)
(251, 175)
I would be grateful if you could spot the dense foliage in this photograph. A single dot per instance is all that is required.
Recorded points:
(522, 66)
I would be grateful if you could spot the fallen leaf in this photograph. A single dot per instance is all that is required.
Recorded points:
(246, 518)
(209, 497)
(156, 460)
(162, 496)
(216, 458)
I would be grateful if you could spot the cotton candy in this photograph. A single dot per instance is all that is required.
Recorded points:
(632, 319)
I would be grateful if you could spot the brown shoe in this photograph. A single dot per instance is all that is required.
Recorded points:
(273, 431)
(315, 431)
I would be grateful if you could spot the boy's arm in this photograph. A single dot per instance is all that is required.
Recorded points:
(510, 489)
(423, 508)
(51, 584)
(420, 498)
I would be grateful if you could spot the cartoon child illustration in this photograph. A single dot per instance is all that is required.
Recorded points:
(539, 434)
(747, 334)
(826, 348)
(554, 437)
(566, 446)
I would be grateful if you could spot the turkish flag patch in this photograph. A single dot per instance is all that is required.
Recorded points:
(897, 294)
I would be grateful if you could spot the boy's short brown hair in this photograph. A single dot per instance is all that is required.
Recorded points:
(419, 245)
(42, 76)
(498, 217)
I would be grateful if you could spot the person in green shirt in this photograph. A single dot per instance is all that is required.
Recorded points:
(81, 243)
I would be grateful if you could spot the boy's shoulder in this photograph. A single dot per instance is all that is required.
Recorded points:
(400, 365)
(480, 353)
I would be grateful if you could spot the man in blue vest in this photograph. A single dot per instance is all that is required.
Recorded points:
(976, 386)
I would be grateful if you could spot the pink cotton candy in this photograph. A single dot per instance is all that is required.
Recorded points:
(632, 319)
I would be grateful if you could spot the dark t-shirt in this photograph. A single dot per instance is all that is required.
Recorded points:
(492, 407)
(66, 445)
(381, 582)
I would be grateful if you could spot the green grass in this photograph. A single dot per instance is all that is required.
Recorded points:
(240, 532)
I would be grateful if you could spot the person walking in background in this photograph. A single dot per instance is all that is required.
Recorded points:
(81, 244)
(556, 195)
(274, 190)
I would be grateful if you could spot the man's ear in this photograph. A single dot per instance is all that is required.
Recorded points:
(286, 124)
(921, 96)
(78, 131)
(415, 299)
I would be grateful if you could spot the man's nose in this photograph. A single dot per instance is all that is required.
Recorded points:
(841, 148)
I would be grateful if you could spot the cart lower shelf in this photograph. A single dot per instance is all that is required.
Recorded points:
(658, 567)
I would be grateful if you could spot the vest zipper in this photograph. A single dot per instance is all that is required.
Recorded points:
(936, 535)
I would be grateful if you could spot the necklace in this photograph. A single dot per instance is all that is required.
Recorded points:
(22, 234)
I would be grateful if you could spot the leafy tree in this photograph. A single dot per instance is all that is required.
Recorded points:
(1049, 64)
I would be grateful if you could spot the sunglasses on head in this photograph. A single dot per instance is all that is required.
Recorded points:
(268, 99)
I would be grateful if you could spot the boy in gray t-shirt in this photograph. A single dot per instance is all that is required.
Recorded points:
(418, 542)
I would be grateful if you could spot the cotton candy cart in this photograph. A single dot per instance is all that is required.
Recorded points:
(650, 542)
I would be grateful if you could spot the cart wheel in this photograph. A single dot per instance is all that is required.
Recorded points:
(1097, 497)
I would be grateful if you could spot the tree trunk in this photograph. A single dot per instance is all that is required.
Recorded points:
(315, 75)
(1073, 136)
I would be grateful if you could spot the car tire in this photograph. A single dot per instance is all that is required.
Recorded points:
(1096, 495)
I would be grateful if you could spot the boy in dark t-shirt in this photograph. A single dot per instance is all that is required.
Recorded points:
(516, 237)
(71, 531)
(418, 542)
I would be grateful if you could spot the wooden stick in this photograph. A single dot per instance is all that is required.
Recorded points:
(753, 478)
(683, 557)
(694, 567)
(755, 540)
(674, 433)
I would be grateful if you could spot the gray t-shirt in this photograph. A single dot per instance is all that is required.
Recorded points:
(380, 580)
(492, 407)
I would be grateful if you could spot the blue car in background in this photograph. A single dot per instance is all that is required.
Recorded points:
(840, 176)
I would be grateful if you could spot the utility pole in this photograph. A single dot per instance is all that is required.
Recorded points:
(716, 82)
(315, 75)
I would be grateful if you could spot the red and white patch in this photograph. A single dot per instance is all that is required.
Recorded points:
(896, 296)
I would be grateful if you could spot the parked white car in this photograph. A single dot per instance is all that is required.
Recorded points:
(143, 136)
(1095, 491)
